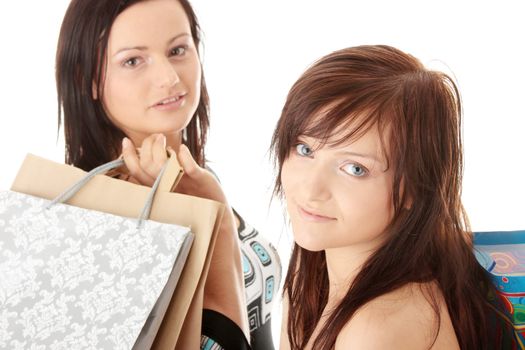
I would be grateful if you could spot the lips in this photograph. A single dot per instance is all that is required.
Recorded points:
(169, 100)
(312, 215)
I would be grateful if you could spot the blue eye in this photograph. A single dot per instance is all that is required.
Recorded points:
(303, 150)
(355, 169)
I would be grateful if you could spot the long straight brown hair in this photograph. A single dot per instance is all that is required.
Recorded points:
(418, 114)
(91, 138)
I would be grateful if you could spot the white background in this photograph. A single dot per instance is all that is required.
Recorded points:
(255, 50)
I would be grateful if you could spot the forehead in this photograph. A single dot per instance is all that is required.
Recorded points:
(369, 142)
(355, 133)
(147, 22)
(333, 125)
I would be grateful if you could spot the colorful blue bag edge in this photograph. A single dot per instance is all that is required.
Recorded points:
(510, 302)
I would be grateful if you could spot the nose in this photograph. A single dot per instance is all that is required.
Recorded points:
(317, 184)
(166, 74)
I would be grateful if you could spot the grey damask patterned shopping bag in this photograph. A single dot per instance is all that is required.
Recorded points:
(74, 278)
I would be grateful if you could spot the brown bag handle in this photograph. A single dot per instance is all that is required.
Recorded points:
(172, 174)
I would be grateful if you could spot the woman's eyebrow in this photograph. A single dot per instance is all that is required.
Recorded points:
(140, 48)
(361, 155)
(176, 37)
(143, 48)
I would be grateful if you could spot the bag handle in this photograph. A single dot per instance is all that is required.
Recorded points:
(144, 215)
(172, 173)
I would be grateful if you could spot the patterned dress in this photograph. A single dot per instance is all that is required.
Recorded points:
(262, 276)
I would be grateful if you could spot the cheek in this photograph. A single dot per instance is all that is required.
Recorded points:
(124, 89)
(191, 75)
(368, 208)
(287, 175)
(197, 75)
(122, 95)
(114, 90)
(192, 72)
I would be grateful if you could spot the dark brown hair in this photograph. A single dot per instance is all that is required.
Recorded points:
(428, 238)
(91, 138)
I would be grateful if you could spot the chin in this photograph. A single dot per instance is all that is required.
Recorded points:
(311, 250)
(309, 243)
(169, 127)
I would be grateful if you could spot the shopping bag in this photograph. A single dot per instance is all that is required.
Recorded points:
(502, 254)
(180, 326)
(74, 278)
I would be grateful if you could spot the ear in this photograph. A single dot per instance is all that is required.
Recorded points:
(408, 203)
(408, 200)
(94, 91)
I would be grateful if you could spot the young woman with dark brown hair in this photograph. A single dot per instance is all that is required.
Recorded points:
(129, 75)
(369, 156)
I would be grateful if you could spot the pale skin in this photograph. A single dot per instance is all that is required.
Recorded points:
(151, 91)
(339, 200)
(402, 319)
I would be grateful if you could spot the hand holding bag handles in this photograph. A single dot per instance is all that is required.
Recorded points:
(77, 278)
(180, 326)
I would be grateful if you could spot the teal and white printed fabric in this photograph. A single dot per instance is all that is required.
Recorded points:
(72, 278)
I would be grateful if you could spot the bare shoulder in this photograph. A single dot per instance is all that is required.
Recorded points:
(402, 319)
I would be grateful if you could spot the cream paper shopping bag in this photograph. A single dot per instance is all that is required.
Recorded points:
(181, 325)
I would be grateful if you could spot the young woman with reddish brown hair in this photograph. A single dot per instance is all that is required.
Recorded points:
(369, 156)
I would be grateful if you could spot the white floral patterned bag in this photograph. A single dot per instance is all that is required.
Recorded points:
(76, 278)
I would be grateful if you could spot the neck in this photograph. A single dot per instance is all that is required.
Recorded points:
(343, 264)
(173, 139)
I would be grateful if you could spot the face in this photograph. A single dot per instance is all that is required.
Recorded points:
(153, 73)
(338, 196)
